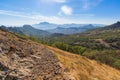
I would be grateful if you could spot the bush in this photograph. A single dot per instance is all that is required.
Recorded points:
(116, 64)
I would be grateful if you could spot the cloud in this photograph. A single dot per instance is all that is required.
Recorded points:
(87, 4)
(26, 15)
(66, 10)
(36, 17)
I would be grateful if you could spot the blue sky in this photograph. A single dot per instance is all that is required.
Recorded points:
(19, 12)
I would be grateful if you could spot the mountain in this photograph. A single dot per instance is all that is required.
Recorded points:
(23, 59)
(45, 26)
(72, 29)
(27, 30)
(114, 26)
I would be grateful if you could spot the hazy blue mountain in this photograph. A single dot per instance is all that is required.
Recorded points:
(45, 29)
(72, 28)
(45, 26)
(27, 30)
(50, 26)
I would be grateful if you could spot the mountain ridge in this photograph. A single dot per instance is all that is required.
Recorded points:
(72, 29)
(50, 26)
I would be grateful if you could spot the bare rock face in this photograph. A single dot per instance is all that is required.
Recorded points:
(22, 59)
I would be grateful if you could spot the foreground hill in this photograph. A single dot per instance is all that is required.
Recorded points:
(23, 59)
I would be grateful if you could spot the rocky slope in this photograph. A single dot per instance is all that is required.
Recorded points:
(22, 59)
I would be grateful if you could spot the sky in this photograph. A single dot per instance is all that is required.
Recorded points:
(20, 12)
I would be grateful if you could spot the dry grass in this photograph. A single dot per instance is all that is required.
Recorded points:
(84, 69)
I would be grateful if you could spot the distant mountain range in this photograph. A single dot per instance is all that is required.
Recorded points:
(66, 28)
(45, 26)
(46, 29)
(73, 30)
(27, 30)
(49, 26)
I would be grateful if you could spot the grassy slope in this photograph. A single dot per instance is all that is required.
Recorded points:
(84, 69)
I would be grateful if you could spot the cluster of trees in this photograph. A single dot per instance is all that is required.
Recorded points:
(69, 48)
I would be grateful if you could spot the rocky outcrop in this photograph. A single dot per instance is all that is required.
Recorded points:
(26, 60)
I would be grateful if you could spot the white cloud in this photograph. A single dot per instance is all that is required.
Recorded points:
(36, 17)
(87, 4)
(26, 15)
(66, 10)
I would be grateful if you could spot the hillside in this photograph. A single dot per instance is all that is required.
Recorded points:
(23, 59)
(84, 69)
(101, 44)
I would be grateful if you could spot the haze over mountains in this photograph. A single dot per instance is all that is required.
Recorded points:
(73, 28)
(51, 26)
(46, 29)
